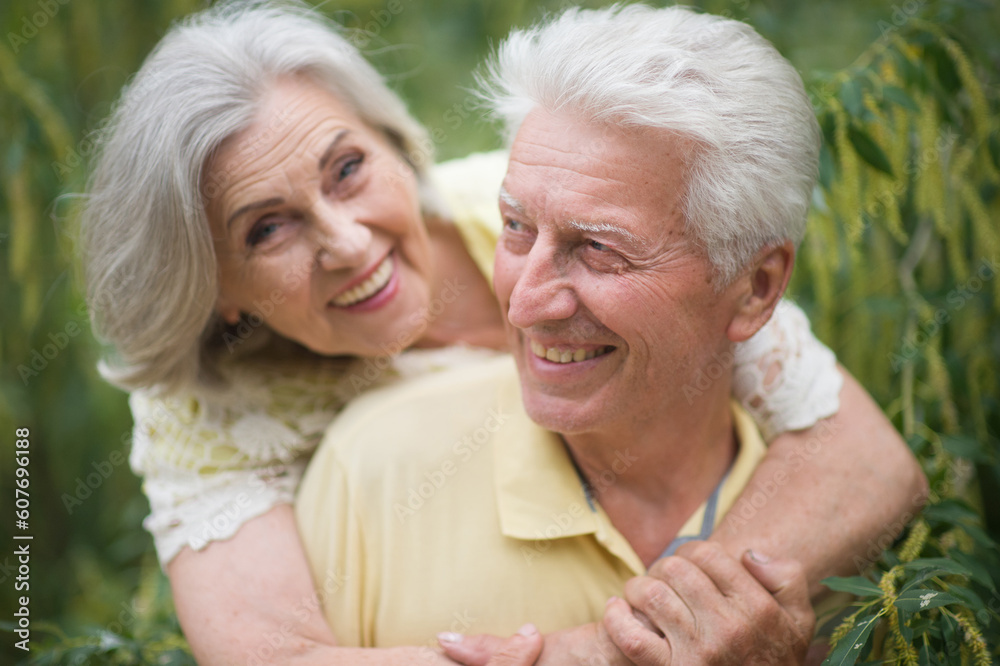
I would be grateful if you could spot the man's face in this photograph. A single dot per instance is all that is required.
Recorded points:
(609, 301)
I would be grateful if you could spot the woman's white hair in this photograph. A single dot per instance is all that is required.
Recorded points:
(148, 256)
(708, 78)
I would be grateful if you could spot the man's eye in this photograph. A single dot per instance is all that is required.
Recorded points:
(513, 225)
(349, 167)
(600, 247)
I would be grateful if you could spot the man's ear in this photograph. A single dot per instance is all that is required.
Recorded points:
(762, 288)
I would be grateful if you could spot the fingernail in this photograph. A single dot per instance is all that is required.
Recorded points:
(610, 601)
(528, 630)
(450, 637)
(758, 558)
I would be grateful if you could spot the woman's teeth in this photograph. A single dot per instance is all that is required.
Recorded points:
(567, 356)
(369, 287)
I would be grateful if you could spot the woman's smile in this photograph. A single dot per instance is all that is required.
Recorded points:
(324, 213)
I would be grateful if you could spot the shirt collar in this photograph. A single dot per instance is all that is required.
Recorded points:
(540, 495)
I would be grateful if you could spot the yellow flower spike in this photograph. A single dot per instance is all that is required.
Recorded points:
(34, 98)
(938, 379)
(915, 541)
(844, 628)
(977, 100)
(849, 187)
(974, 637)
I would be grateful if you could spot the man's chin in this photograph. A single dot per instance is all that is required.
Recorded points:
(562, 414)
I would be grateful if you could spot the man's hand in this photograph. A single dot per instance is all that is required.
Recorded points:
(709, 608)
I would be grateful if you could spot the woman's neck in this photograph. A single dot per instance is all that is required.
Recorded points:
(462, 307)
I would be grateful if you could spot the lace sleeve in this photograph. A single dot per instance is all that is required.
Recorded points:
(212, 461)
(784, 376)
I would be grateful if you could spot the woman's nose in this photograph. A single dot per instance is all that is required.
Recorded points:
(343, 242)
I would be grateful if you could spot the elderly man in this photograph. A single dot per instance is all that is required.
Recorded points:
(653, 202)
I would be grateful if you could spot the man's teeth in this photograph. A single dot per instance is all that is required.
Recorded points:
(566, 356)
(369, 287)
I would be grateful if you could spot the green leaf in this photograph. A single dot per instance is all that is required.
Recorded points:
(936, 566)
(922, 598)
(827, 169)
(994, 146)
(868, 150)
(944, 68)
(899, 97)
(926, 657)
(977, 568)
(950, 511)
(850, 97)
(968, 597)
(857, 585)
(964, 447)
(851, 646)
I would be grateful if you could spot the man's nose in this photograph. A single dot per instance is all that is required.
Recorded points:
(342, 241)
(543, 291)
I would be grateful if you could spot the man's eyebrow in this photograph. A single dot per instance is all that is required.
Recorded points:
(328, 153)
(267, 203)
(508, 199)
(608, 229)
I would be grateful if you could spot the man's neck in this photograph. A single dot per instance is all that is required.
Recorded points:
(650, 477)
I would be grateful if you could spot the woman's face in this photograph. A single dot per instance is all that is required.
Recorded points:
(317, 227)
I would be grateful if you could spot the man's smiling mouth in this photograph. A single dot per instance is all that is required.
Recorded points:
(567, 355)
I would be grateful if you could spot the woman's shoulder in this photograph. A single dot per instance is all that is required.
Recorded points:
(469, 188)
(470, 185)
(253, 414)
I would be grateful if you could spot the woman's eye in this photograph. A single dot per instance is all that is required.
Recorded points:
(261, 231)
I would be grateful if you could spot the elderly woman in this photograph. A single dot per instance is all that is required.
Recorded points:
(264, 235)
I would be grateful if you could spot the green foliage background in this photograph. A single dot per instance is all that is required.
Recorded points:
(908, 220)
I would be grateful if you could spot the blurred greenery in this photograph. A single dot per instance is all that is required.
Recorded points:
(895, 274)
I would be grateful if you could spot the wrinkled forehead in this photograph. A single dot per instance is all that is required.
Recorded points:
(564, 166)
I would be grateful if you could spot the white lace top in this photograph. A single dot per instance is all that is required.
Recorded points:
(213, 459)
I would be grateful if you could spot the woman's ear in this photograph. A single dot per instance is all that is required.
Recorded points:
(764, 286)
(229, 312)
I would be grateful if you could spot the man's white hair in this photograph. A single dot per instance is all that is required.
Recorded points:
(708, 78)
(148, 255)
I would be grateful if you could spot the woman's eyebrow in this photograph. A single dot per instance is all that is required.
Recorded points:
(328, 153)
(267, 203)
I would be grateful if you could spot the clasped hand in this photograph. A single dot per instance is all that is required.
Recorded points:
(699, 606)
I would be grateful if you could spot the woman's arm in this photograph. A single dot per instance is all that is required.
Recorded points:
(250, 600)
(832, 496)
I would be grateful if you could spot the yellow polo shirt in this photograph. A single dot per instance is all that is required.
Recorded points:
(437, 504)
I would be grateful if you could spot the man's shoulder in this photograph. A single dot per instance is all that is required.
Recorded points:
(417, 417)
